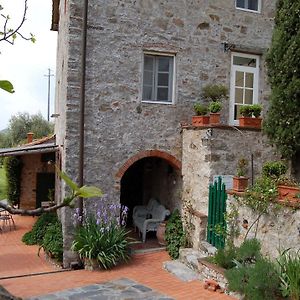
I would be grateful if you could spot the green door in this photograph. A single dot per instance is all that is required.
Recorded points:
(44, 183)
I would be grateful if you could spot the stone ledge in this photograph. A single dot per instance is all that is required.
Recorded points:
(218, 126)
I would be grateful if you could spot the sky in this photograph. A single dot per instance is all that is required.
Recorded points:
(25, 64)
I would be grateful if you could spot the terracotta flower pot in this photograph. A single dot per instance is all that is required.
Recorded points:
(160, 233)
(240, 183)
(250, 122)
(288, 192)
(200, 121)
(214, 118)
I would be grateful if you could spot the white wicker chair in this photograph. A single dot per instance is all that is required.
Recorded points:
(158, 215)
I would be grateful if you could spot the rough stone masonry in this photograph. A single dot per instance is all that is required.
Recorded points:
(118, 125)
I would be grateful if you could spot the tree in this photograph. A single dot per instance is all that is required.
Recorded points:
(9, 35)
(283, 61)
(21, 124)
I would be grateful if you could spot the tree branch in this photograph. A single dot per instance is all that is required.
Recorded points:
(33, 212)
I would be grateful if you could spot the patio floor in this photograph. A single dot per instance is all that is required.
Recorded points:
(144, 269)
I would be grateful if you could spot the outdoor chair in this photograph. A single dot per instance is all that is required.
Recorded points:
(144, 210)
(144, 224)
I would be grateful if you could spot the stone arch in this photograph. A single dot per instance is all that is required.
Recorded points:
(173, 161)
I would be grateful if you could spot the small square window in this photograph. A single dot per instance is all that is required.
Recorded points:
(158, 78)
(252, 5)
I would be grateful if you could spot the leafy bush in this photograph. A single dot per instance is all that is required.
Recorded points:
(289, 270)
(248, 252)
(215, 106)
(259, 196)
(251, 110)
(274, 169)
(13, 168)
(246, 111)
(200, 109)
(102, 236)
(37, 233)
(175, 236)
(214, 92)
(53, 241)
(259, 281)
(225, 257)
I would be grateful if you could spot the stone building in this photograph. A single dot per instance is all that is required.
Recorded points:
(128, 74)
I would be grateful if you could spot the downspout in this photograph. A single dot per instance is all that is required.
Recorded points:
(82, 101)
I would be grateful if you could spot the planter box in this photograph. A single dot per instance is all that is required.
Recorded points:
(198, 121)
(250, 122)
(288, 192)
(240, 183)
(214, 118)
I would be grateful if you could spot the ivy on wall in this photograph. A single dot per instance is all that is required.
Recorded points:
(13, 168)
(283, 61)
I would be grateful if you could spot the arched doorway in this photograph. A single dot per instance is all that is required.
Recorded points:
(151, 177)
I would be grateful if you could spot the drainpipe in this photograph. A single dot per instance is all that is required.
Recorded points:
(82, 101)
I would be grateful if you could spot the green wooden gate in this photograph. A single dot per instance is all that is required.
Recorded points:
(216, 226)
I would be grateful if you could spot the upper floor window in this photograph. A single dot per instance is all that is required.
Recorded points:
(158, 81)
(244, 83)
(251, 5)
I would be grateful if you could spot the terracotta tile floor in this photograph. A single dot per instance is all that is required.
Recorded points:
(18, 259)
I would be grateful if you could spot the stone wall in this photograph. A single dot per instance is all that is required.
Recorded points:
(215, 151)
(277, 231)
(117, 124)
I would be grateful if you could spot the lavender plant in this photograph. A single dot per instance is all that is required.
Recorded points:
(102, 236)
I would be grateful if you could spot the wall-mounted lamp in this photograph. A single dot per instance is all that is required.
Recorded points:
(227, 46)
(55, 115)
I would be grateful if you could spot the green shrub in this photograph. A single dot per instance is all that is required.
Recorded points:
(200, 109)
(225, 257)
(175, 236)
(274, 169)
(215, 106)
(37, 233)
(107, 245)
(256, 110)
(13, 168)
(289, 270)
(249, 252)
(53, 241)
(214, 92)
(259, 281)
(246, 110)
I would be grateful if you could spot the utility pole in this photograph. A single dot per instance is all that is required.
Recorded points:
(49, 75)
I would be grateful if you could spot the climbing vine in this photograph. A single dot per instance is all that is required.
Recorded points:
(13, 168)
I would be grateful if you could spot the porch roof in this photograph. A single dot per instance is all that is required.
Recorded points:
(43, 145)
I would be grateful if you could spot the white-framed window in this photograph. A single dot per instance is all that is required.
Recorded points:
(243, 83)
(158, 78)
(249, 5)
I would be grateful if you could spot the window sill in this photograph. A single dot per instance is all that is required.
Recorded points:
(249, 10)
(157, 102)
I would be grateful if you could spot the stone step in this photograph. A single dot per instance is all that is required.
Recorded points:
(181, 271)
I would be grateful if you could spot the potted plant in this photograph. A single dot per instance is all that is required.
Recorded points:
(288, 189)
(201, 118)
(214, 109)
(240, 182)
(250, 116)
(215, 93)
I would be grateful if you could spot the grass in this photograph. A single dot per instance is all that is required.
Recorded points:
(3, 184)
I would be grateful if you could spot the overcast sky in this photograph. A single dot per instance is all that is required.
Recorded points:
(25, 63)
